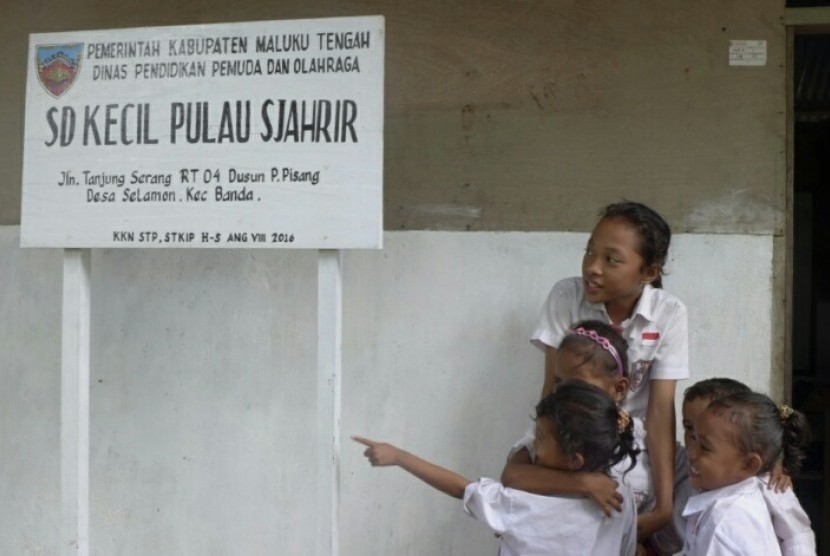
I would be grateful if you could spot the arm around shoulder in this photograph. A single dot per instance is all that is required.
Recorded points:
(520, 473)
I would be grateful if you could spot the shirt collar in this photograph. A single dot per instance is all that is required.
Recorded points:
(644, 306)
(700, 502)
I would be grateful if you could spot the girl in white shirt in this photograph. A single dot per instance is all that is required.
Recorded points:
(578, 427)
(736, 439)
(621, 284)
(789, 520)
(593, 352)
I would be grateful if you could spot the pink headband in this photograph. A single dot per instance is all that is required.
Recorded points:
(603, 342)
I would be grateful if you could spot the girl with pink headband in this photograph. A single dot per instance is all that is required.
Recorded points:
(604, 343)
(593, 352)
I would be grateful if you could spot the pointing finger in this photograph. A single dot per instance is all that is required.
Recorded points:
(364, 441)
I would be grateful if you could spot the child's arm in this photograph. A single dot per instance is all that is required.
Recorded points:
(381, 454)
(520, 473)
(660, 441)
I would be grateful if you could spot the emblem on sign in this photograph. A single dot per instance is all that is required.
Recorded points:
(58, 66)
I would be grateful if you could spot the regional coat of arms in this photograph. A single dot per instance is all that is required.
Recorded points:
(58, 66)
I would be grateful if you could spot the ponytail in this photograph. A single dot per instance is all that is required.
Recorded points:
(774, 433)
(626, 448)
(796, 438)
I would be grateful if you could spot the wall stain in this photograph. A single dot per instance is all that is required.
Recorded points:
(546, 98)
(468, 116)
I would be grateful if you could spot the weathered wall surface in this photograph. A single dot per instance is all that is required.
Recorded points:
(500, 117)
(523, 115)
(203, 372)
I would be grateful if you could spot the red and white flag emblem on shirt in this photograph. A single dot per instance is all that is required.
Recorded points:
(650, 338)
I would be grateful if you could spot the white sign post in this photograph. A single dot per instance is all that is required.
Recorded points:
(329, 350)
(265, 134)
(75, 403)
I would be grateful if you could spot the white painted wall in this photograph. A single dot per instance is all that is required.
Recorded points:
(203, 377)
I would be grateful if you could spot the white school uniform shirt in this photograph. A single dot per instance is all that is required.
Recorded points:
(732, 520)
(536, 525)
(657, 334)
(639, 477)
(789, 520)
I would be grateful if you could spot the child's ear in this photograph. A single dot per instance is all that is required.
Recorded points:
(650, 274)
(620, 389)
(753, 463)
(576, 462)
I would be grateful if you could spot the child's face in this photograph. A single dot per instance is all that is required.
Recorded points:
(612, 269)
(571, 365)
(691, 410)
(714, 459)
(549, 452)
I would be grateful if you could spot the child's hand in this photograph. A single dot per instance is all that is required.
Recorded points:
(603, 490)
(778, 479)
(379, 454)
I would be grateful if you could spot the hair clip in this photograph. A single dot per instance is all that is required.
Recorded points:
(623, 418)
(784, 411)
(603, 342)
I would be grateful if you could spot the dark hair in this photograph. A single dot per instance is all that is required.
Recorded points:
(586, 420)
(654, 232)
(590, 350)
(714, 388)
(765, 429)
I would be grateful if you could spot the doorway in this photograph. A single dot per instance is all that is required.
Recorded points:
(810, 255)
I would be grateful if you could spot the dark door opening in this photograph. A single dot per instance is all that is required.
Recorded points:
(811, 271)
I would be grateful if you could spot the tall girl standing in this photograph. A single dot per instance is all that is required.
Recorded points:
(621, 284)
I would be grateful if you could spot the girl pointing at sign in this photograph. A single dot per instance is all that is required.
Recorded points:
(578, 428)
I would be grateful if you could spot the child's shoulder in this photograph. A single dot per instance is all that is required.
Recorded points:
(778, 502)
(743, 497)
(571, 287)
(658, 301)
(494, 495)
(567, 294)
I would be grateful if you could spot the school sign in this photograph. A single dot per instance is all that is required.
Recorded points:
(261, 134)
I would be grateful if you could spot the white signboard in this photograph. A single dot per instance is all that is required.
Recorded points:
(747, 53)
(260, 134)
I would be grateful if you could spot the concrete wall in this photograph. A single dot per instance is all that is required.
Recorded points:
(523, 115)
(203, 383)
(528, 116)
(501, 118)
